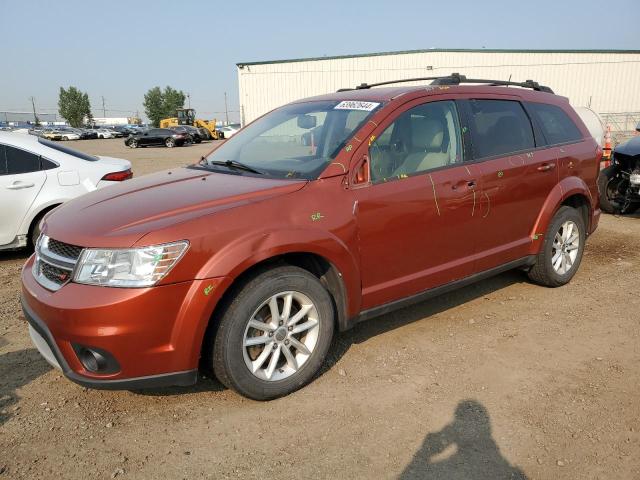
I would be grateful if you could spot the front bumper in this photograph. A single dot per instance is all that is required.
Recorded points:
(155, 334)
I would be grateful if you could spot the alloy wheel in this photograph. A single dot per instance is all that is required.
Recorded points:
(564, 250)
(281, 335)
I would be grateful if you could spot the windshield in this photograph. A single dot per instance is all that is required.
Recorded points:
(295, 141)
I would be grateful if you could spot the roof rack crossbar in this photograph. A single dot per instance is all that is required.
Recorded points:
(455, 79)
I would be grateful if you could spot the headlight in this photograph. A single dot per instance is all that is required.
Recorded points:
(132, 267)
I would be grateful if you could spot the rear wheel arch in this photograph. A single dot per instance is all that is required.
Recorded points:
(580, 202)
(34, 224)
(573, 192)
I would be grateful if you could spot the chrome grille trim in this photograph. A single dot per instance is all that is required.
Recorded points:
(47, 263)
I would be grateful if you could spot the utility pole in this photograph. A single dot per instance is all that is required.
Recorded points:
(104, 112)
(189, 100)
(226, 108)
(33, 104)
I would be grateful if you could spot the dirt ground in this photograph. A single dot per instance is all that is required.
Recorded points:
(502, 379)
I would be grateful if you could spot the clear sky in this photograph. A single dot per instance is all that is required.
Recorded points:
(120, 49)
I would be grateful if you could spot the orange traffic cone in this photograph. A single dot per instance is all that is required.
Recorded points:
(606, 155)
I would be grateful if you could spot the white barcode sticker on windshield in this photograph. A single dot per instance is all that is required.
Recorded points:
(356, 105)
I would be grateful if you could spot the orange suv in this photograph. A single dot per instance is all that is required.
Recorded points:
(322, 213)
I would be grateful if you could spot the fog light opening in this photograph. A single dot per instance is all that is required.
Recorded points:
(96, 360)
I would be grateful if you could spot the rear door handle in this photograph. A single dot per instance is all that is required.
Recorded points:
(545, 167)
(20, 185)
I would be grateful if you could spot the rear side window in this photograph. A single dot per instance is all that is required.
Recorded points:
(556, 125)
(499, 127)
(21, 161)
(3, 161)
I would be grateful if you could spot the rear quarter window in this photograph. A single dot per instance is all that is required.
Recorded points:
(557, 127)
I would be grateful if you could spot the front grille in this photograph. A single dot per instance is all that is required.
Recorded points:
(54, 274)
(64, 249)
(54, 263)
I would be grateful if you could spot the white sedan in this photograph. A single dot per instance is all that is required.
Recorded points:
(229, 130)
(105, 133)
(69, 135)
(37, 175)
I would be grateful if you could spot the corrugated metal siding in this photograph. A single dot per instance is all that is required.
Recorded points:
(608, 82)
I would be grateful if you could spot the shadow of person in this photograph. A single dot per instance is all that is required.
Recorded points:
(472, 451)
(17, 369)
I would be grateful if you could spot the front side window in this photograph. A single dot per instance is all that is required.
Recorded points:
(556, 125)
(499, 127)
(21, 161)
(423, 138)
(295, 141)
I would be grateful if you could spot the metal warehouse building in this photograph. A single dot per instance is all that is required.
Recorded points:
(607, 81)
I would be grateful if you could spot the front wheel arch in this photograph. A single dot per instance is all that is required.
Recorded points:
(327, 273)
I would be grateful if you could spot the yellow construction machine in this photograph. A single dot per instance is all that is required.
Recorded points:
(187, 116)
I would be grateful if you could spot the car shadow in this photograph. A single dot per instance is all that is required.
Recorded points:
(17, 369)
(463, 449)
(379, 325)
(22, 254)
(204, 384)
(369, 329)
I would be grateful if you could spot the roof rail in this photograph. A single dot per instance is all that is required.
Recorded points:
(455, 79)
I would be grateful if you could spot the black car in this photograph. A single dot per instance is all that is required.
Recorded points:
(194, 133)
(619, 183)
(87, 133)
(157, 136)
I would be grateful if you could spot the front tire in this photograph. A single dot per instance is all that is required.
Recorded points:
(133, 143)
(170, 142)
(562, 249)
(609, 186)
(274, 334)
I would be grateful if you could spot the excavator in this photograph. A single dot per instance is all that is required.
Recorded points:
(187, 116)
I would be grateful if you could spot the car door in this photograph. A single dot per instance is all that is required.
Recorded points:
(20, 182)
(517, 175)
(147, 138)
(415, 206)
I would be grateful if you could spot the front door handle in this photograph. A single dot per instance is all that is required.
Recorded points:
(20, 185)
(545, 167)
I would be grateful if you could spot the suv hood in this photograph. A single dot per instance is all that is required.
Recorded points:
(119, 215)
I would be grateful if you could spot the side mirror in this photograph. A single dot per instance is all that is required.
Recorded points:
(306, 121)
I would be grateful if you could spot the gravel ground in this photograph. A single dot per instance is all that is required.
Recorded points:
(502, 379)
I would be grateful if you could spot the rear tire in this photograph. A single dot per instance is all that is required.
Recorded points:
(248, 353)
(562, 249)
(170, 142)
(133, 143)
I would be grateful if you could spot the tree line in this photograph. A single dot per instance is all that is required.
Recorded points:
(75, 108)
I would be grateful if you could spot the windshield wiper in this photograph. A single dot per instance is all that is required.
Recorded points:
(230, 164)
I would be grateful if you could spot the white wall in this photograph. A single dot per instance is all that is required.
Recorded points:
(608, 82)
